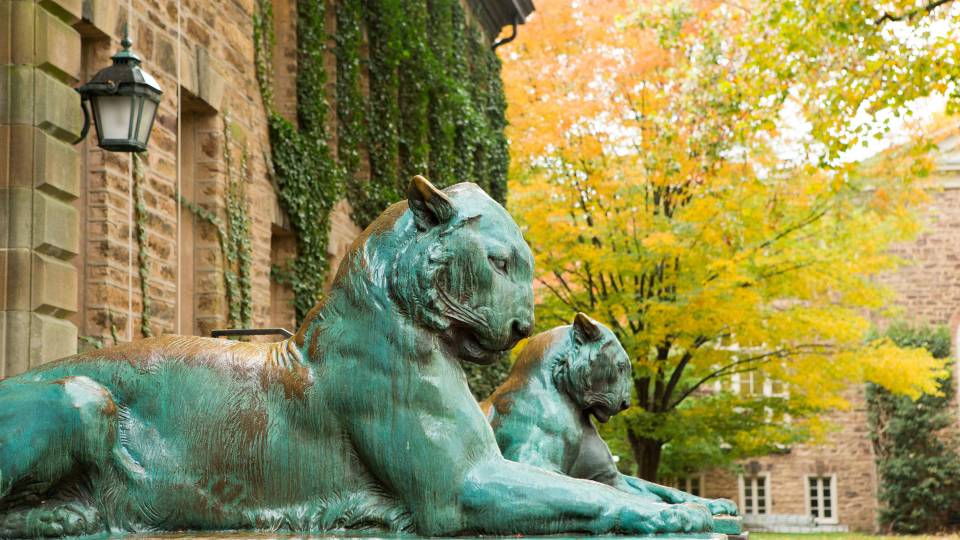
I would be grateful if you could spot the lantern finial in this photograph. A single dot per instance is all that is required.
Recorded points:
(127, 55)
(125, 42)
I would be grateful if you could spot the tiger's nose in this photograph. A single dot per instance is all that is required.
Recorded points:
(520, 329)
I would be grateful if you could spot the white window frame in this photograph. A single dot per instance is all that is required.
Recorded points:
(738, 380)
(768, 497)
(683, 484)
(834, 517)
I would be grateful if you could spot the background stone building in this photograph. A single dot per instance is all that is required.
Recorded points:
(94, 247)
(838, 480)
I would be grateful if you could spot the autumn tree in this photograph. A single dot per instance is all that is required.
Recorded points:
(665, 188)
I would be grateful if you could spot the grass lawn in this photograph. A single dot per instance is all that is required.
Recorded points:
(843, 536)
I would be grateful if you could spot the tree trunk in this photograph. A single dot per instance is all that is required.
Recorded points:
(646, 453)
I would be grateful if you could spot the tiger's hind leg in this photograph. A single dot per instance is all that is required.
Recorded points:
(51, 435)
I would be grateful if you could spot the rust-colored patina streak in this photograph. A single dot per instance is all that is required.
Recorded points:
(295, 380)
(528, 359)
(383, 224)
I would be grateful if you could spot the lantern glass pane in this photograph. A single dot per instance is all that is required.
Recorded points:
(146, 119)
(114, 113)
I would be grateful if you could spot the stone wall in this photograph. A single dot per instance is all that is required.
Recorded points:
(69, 271)
(846, 453)
(68, 255)
(39, 119)
(927, 286)
(217, 91)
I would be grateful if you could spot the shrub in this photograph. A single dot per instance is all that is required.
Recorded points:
(916, 446)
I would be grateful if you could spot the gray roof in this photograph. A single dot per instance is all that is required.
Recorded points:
(495, 14)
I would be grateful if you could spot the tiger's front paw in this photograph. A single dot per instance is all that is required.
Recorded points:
(720, 507)
(656, 518)
(698, 516)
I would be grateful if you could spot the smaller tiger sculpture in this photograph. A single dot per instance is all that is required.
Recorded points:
(541, 413)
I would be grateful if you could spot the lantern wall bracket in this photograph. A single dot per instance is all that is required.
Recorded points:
(86, 120)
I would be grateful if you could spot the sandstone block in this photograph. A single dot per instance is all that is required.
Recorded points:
(57, 107)
(21, 155)
(16, 21)
(16, 94)
(101, 15)
(54, 286)
(165, 56)
(55, 226)
(210, 83)
(50, 338)
(16, 223)
(57, 47)
(15, 330)
(4, 155)
(188, 73)
(6, 12)
(56, 167)
(67, 10)
(15, 277)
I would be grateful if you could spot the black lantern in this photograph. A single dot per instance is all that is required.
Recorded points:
(124, 101)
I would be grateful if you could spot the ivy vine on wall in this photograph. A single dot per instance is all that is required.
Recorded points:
(306, 175)
(426, 99)
(233, 235)
(434, 105)
(351, 105)
(140, 231)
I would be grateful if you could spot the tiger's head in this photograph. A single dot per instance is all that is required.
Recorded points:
(466, 273)
(595, 372)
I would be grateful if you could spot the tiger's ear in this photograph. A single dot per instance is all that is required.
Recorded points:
(430, 206)
(586, 329)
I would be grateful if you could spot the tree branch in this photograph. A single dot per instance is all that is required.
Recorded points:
(675, 379)
(567, 302)
(678, 371)
(732, 367)
(910, 15)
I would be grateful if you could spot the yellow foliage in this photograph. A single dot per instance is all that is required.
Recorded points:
(647, 175)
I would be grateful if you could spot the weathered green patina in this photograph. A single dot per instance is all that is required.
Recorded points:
(361, 420)
(541, 414)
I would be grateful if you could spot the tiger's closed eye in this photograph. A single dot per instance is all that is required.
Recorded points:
(499, 264)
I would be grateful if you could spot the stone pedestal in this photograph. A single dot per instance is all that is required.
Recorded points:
(384, 536)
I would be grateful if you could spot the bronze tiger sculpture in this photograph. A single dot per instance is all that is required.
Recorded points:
(541, 413)
(362, 420)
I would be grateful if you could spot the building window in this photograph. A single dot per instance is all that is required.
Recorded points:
(822, 498)
(755, 383)
(691, 484)
(755, 494)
